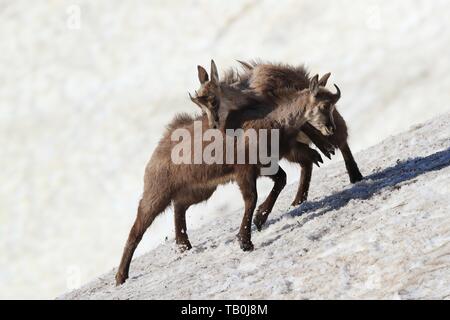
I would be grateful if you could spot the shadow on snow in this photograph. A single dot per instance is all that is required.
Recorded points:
(389, 178)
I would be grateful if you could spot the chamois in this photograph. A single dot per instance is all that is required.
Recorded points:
(271, 80)
(186, 184)
(275, 82)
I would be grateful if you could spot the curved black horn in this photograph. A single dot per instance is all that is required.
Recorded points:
(337, 95)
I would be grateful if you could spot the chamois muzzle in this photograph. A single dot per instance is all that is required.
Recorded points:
(327, 130)
(330, 129)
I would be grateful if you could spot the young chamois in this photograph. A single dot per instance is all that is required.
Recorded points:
(186, 184)
(275, 82)
(299, 152)
(271, 80)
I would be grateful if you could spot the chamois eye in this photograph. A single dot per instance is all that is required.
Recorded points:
(215, 103)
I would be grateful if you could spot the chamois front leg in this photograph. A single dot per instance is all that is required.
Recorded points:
(247, 185)
(266, 207)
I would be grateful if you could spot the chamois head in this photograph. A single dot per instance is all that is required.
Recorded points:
(321, 105)
(207, 97)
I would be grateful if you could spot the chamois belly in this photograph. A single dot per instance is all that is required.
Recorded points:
(216, 181)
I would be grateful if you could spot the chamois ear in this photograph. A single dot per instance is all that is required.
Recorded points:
(245, 65)
(214, 73)
(323, 81)
(202, 75)
(314, 85)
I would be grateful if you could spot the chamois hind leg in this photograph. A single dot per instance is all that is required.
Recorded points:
(350, 163)
(147, 212)
(181, 205)
(266, 207)
(247, 184)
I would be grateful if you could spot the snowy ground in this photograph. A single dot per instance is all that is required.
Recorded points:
(81, 109)
(387, 237)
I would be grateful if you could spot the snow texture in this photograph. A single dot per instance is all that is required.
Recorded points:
(387, 237)
(82, 107)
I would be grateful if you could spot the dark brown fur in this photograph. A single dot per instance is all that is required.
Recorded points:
(272, 80)
(188, 184)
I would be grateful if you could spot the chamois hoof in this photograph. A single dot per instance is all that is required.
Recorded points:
(120, 278)
(328, 152)
(331, 152)
(260, 220)
(357, 177)
(247, 246)
(316, 158)
(184, 246)
(297, 203)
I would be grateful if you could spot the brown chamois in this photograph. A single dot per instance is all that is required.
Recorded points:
(185, 184)
(271, 80)
(207, 98)
(300, 152)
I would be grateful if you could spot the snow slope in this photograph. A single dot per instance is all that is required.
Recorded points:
(81, 109)
(387, 237)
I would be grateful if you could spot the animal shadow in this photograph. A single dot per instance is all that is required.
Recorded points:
(391, 177)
